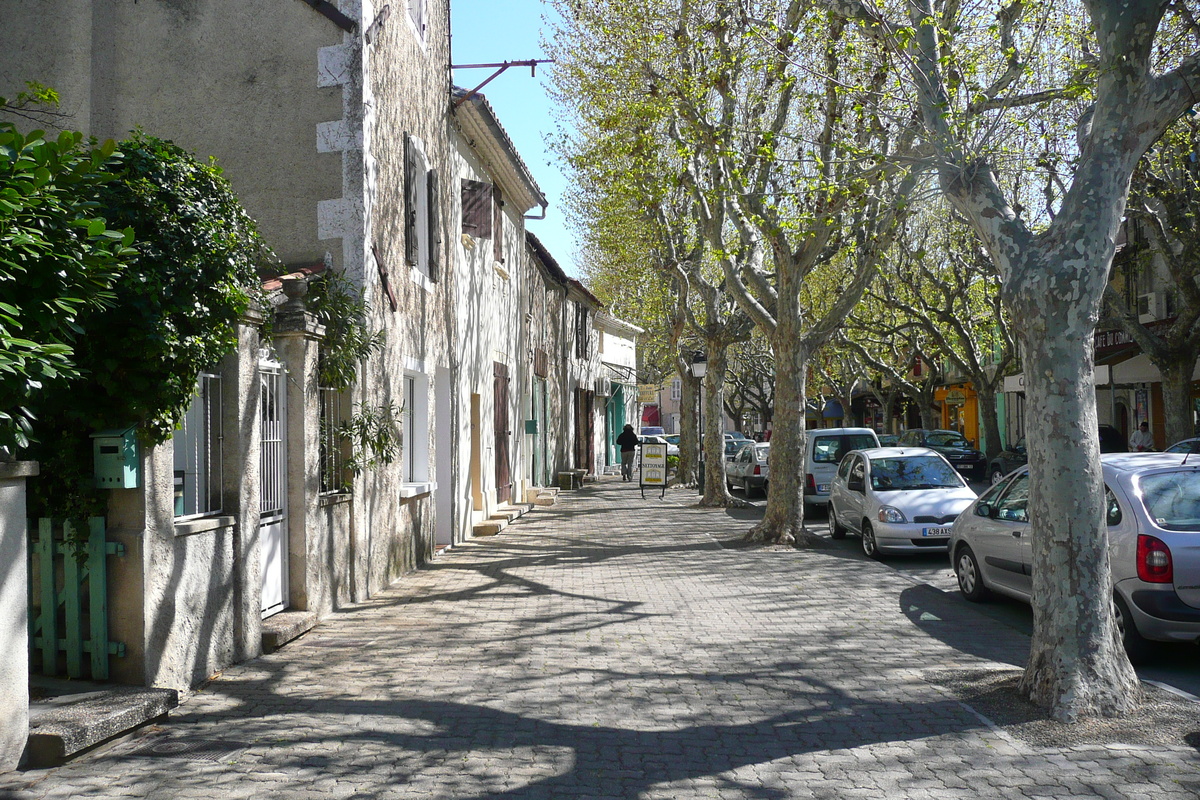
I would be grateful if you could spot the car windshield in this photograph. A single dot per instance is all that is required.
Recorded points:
(946, 440)
(1173, 499)
(763, 451)
(830, 449)
(672, 439)
(916, 472)
(732, 446)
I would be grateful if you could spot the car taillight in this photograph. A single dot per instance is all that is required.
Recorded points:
(757, 470)
(1153, 560)
(810, 482)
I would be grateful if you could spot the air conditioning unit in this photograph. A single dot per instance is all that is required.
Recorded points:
(1152, 306)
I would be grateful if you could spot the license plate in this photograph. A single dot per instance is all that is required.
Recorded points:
(936, 532)
(822, 488)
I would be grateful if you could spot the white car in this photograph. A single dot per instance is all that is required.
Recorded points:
(898, 499)
(672, 449)
(749, 469)
(825, 448)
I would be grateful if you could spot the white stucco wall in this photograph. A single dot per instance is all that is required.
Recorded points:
(14, 613)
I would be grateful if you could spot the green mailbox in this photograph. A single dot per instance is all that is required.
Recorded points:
(115, 459)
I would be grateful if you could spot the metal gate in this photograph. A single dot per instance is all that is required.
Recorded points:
(272, 526)
(503, 433)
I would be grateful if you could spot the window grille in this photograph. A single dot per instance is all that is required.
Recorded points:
(198, 477)
(332, 447)
(271, 452)
(408, 443)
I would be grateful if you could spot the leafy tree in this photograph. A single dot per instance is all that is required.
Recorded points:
(173, 312)
(58, 261)
(1163, 230)
(972, 73)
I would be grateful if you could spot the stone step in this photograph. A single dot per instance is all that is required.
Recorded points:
(488, 527)
(279, 629)
(65, 725)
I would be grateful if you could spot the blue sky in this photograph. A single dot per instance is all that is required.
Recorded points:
(492, 31)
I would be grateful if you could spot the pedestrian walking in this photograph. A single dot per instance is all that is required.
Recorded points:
(628, 442)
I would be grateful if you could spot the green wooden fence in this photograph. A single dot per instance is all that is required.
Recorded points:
(68, 599)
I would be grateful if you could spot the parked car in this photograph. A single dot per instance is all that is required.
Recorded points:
(736, 435)
(672, 449)
(889, 439)
(1186, 446)
(1006, 461)
(899, 500)
(748, 469)
(1153, 514)
(953, 445)
(823, 452)
(732, 446)
(1111, 441)
(652, 430)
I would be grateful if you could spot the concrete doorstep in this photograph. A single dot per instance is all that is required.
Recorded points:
(73, 716)
(499, 520)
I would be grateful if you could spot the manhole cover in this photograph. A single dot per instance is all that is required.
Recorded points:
(190, 749)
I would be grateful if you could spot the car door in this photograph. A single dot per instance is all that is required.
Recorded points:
(1002, 541)
(850, 507)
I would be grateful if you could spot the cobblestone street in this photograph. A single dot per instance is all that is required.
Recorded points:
(610, 647)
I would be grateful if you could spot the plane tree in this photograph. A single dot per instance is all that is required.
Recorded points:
(1112, 70)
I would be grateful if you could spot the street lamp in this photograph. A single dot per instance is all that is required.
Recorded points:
(700, 369)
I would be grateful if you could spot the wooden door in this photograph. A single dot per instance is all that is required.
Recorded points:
(503, 434)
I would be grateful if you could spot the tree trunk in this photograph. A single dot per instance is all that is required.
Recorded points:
(991, 425)
(1177, 396)
(931, 415)
(715, 491)
(783, 521)
(689, 441)
(1077, 666)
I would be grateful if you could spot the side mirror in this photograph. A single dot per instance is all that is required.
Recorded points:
(983, 510)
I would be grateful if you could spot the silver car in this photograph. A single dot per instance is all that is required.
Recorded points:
(1153, 514)
(898, 499)
(749, 468)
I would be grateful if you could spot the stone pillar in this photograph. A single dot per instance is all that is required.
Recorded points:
(14, 612)
(313, 558)
(242, 429)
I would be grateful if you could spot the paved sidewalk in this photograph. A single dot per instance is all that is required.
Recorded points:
(609, 647)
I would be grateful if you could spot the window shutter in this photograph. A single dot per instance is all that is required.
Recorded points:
(410, 200)
(435, 223)
(476, 209)
(497, 224)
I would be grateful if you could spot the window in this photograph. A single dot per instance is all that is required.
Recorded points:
(422, 220)
(417, 474)
(676, 389)
(332, 448)
(406, 421)
(497, 225)
(418, 14)
(1013, 507)
(477, 209)
(581, 331)
(198, 452)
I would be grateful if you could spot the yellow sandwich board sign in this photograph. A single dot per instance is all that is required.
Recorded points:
(653, 468)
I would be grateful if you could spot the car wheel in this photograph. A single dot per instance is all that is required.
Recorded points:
(1137, 647)
(870, 547)
(997, 476)
(970, 579)
(836, 529)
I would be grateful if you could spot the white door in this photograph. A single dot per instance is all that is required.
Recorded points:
(272, 531)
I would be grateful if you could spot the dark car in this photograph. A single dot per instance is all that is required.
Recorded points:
(1111, 441)
(1006, 461)
(953, 445)
(888, 439)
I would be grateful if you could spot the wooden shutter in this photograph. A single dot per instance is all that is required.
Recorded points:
(411, 188)
(497, 224)
(477, 209)
(434, 215)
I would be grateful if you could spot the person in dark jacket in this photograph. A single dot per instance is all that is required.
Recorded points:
(628, 442)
